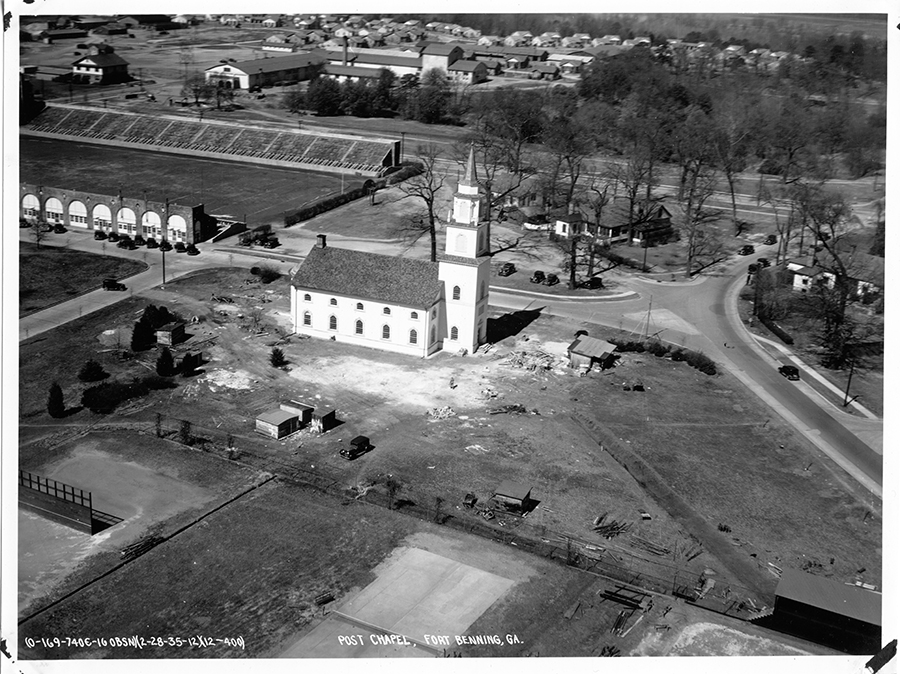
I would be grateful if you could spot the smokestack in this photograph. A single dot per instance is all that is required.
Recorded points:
(345, 49)
(320, 241)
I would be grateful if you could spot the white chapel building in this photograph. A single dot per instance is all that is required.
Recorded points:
(417, 307)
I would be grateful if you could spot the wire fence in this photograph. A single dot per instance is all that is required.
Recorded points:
(598, 557)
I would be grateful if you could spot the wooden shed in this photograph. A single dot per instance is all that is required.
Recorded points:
(325, 416)
(841, 616)
(170, 333)
(305, 412)
(586, 351)
(513, 495)
(277, 423)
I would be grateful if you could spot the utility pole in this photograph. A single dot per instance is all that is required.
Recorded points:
(847, 399)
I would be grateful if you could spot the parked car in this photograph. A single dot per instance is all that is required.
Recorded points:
(507, 268)
(23, 223)
(270, 243)
(139, 241)
(789, 371)
(192, 249)
(99, 235)
(112, 284)
(358, 446)
(59, 228)
(770, 240)
(764, 262)
(180, 247)
(113, 237)
(165, 246)
(537, 277)
(551, 279)
(152, 243)
(747, 250)
(126, 242)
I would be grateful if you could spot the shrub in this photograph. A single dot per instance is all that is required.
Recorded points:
(165, 364)
(658, 349)
(56, 406)
(276, 357)
(92, 371)
(254, 271)
(678, 355)
(629, 346)
(105, 397)
(268, 274)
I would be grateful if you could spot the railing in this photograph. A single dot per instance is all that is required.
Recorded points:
(59, 490)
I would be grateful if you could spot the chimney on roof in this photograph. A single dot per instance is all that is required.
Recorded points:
(320, 241)
(345, 50)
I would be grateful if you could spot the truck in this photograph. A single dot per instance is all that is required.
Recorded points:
(358, 446)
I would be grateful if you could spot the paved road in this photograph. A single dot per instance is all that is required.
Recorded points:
(702, 315)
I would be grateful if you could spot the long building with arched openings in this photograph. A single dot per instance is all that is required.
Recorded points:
(122, 214)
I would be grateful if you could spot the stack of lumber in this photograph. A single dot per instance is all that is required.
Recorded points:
(142, 546)
(609, 528)
(650, 546)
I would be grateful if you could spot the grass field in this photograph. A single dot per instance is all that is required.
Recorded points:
(48, 275)
(227, 189)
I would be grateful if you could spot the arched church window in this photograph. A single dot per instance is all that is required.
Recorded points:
(413, 336)
(454, 333)
(359, 327)
(456, 292)
(332, 322)
(386, 332)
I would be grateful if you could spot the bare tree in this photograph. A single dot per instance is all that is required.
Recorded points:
(425, 187)
(38, 231)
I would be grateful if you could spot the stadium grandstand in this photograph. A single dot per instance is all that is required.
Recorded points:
(288, 148)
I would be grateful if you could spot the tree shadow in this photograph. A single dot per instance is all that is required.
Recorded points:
(511, 324)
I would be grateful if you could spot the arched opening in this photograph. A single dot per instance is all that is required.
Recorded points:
(332, 322)
(359, 306)
(176, 228)
(359, 327)
(151, 226)
(307, 318)
(54, 210)
(454, 333)
(333, 302)
(127, 221)
(31, 207)
(386, 332)
(413, 336)
(307, 297)
(456, 292)
(78, 214)
(102, 218)
(387, 311)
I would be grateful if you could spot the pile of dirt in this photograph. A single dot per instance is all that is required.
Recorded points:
(224, 379)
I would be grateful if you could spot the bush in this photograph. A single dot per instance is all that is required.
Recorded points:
(92, 371)
(678, 355)
(254, 271)
(629, 346)
(105, 397)
(325, 204)
(165, 364)
(56, 406)
(268, 274)
(776, 330)
(658, 349)
(276, 357)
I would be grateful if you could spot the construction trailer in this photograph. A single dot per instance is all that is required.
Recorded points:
(277, 423)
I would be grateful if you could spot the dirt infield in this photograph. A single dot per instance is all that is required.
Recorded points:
(420, 599)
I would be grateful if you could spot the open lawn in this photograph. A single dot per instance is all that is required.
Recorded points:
(227, 189)
(48, 275)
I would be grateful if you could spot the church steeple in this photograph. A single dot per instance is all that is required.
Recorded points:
(469, 179)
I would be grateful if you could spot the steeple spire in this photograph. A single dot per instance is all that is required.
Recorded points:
(469, 179)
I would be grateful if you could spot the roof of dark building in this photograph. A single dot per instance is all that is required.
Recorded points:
(370, 276)
(276, 417)
(513, 489)
(103, 60)
(829, 595)
(439, 49)
(352, 71)
(466, 66)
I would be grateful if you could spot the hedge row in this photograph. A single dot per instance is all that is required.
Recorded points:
(105, 397)
(776, 330)
(331, 202)
(696, 359)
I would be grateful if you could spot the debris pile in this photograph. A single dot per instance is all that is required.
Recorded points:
(488, 393)
(508, 409)
(441, 412)
(650, 546)
(611, 528)
(531, 360)
(142, 546)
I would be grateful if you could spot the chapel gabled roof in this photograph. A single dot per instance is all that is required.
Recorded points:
(370, 276)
